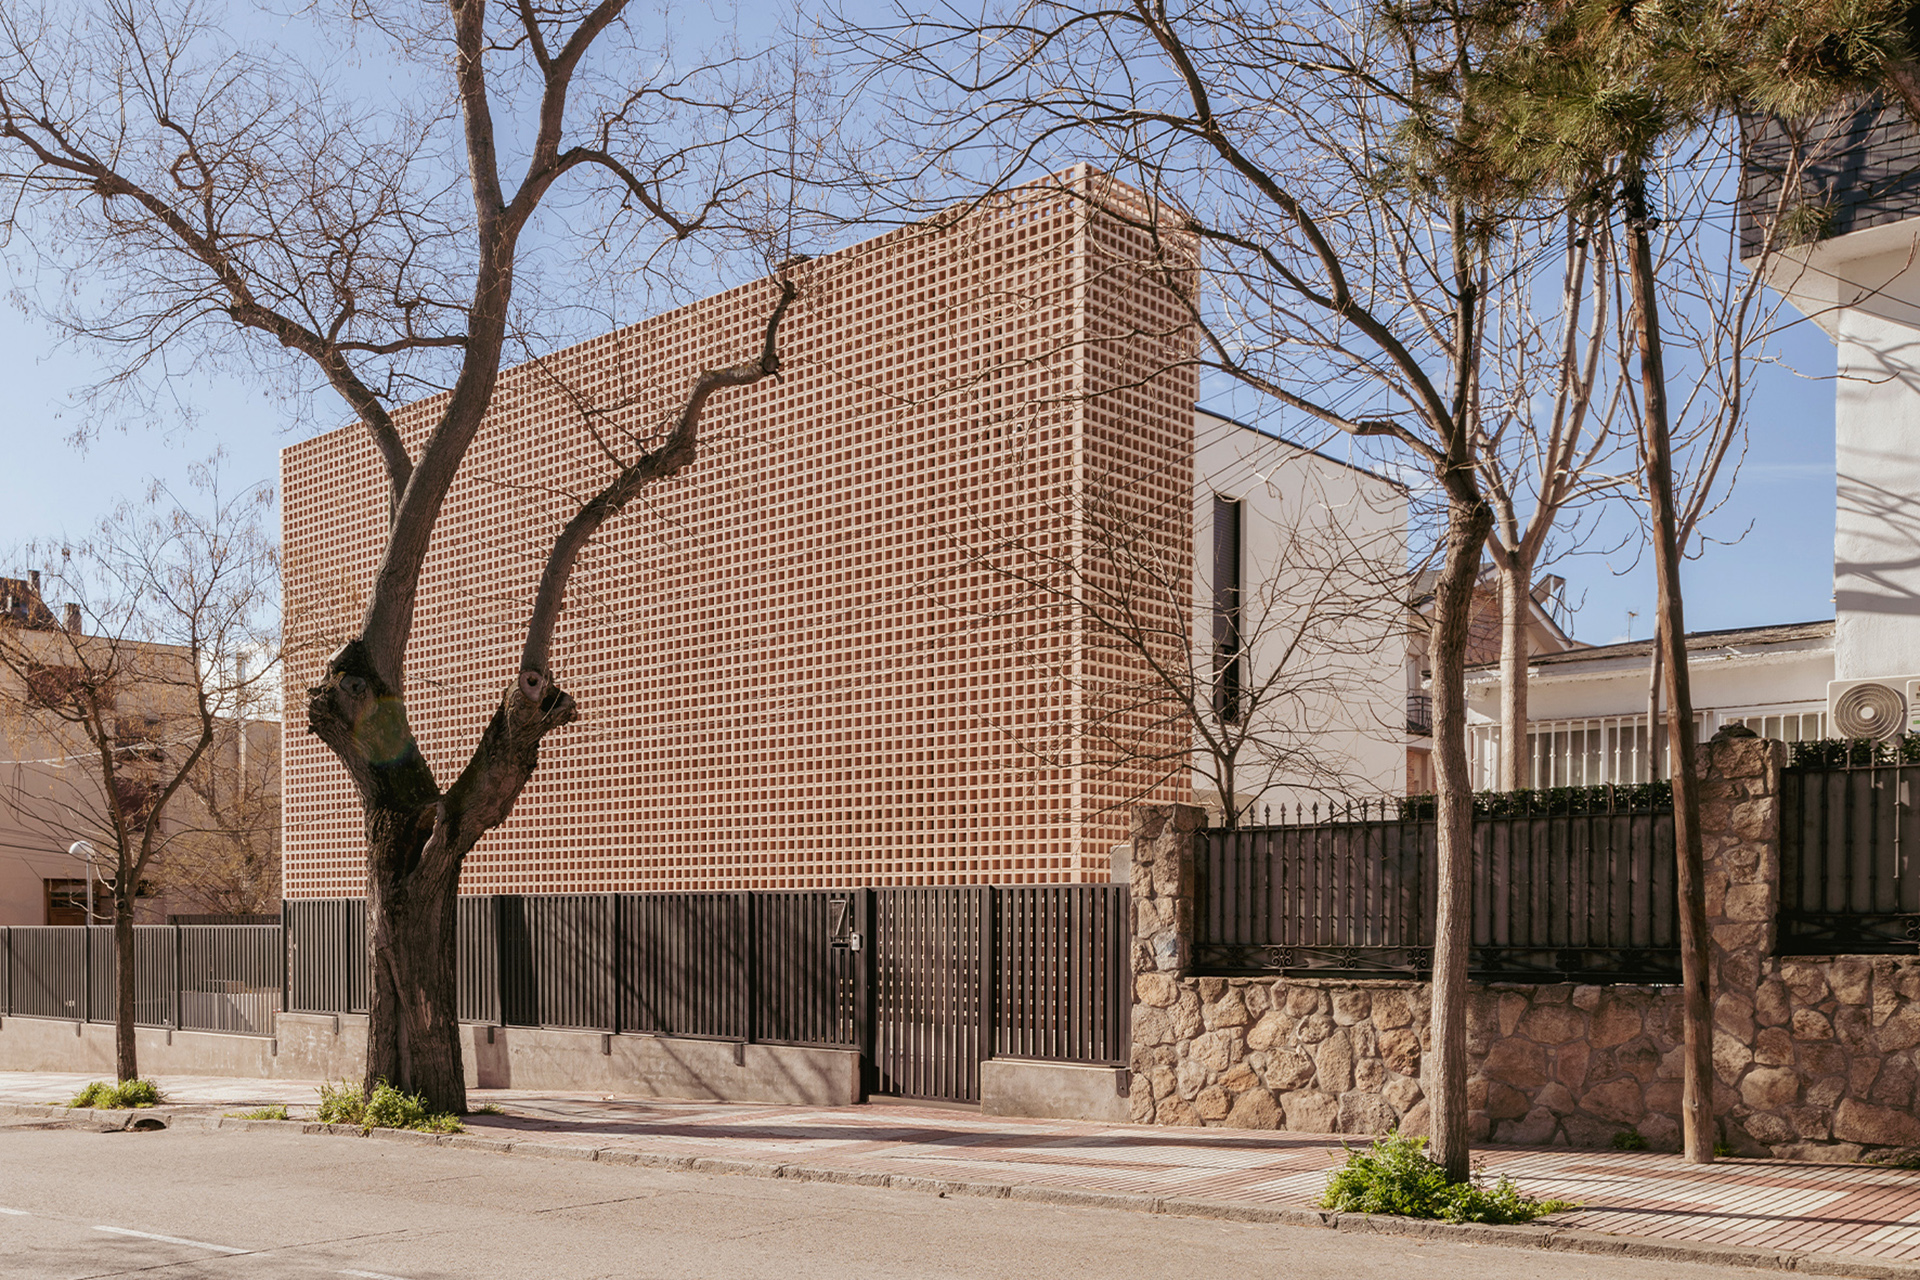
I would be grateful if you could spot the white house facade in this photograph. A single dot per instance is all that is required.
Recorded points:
(1299, 567)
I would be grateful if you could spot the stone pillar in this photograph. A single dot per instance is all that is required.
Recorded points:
(1161, 884)
(1740, 838)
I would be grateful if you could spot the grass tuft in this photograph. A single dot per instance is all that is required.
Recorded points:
(387, 1108)
(1395, 1175)
(274, 1112)
(122, 1095)
(1629, 1140)
(489, 1109)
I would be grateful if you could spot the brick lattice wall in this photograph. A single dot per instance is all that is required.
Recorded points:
(802, 662)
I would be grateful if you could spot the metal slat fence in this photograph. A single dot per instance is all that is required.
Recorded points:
(941, 978)
(932, 990)
(1848, 832)
(685, 965)
(805, 989)
(190, 977)
(1065, 982)
(1586, 893)
(326, 955)
(477, 943)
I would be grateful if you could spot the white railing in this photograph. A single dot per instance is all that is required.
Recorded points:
(1593, 751)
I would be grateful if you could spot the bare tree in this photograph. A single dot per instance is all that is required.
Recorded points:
(226, 200)
(1258, 134)
(1551, 120)
(119, 700)
(224, 857)
(1545, 411)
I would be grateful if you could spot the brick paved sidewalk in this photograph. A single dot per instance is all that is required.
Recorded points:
(1858, 1211)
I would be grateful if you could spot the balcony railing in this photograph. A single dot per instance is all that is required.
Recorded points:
(1420, 714)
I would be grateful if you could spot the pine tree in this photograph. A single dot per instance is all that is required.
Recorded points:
(1577, 104)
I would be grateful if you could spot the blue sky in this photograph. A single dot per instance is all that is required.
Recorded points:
(1781, 512)
(1780, 571)
(1769, 558)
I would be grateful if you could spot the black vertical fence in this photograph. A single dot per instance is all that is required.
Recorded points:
(933, 978)
(191, 977)
(1582, 890)
(327, 955)
(1065, 989)
(1848, 838)
(924, 982)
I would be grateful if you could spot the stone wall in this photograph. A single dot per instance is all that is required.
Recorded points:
(1814, 1058)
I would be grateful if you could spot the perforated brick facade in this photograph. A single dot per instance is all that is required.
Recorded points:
(801, 662)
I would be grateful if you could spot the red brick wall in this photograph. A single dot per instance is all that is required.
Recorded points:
(799, 663)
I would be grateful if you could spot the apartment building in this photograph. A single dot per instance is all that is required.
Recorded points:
(217, 847)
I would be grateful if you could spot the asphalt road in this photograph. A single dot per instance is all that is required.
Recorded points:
(179, 1204)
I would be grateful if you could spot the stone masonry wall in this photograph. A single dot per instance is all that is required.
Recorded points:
(1814, 1057)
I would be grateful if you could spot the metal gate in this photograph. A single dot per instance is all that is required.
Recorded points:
(932, 988)
(959, 974)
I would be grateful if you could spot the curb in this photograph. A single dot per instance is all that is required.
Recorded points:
(1545, 1236)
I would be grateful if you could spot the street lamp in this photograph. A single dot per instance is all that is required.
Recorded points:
(85, 849)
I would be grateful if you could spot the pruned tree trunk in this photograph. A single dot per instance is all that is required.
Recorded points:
(412, 989)
(1516, 585)
(126, 1059)
(418, 836)
(417, 839)
(1696, 1123)
(1446, 1063)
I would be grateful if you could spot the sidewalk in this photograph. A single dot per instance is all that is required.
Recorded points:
(1835, 1212)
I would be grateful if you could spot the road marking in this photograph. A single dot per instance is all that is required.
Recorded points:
(18, 1213)
(192, 1244)
(370, 1275)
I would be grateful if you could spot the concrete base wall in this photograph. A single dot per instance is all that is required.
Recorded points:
(46, 1044)
(310, 1046)
(1053, 1090)
(662, 1067)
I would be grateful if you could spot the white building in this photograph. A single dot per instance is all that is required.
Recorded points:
(1860, 285)
(1307, 555)
(1587, 707)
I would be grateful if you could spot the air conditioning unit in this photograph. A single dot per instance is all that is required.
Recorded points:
(1878, 709)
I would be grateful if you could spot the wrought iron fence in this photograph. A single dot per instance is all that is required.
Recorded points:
(1848, 834)
(189, 977)
(1566, 886)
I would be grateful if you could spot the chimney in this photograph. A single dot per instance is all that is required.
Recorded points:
(73, 619)
(33, 583)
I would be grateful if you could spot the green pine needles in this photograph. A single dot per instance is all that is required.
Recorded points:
(1396, 1176)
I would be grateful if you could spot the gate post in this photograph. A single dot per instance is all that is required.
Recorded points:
(179, 976)
(1161, 886)
(863, 1006)
(989, 969)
